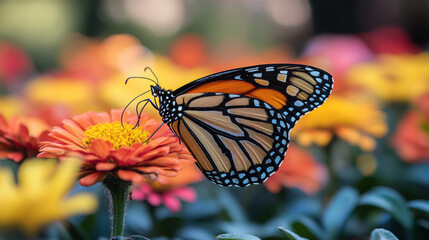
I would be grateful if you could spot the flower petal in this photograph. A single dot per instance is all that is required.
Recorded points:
(172, 203)
(101, 148)
(104, 166)
(92, 179)
(188, 194)
(131, 176)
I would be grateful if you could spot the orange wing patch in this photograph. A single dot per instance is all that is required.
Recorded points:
(270, 96)
(225, 86)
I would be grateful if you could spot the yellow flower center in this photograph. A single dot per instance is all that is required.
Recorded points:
(116, 134)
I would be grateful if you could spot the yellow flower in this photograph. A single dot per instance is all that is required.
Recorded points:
(397, 78)
(76, 94)
(117, 95)
(11, 106)
(355, 121)
(40, 196)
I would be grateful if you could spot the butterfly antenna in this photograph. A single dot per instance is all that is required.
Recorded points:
(123, 111)
(154, 132)
(150, 79)
(150, 69)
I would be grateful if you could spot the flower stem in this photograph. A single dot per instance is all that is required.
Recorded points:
(332, 185)
(119, 194)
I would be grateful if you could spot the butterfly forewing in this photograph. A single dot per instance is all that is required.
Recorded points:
(293, 89)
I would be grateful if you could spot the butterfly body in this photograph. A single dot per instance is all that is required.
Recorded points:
(236, 123)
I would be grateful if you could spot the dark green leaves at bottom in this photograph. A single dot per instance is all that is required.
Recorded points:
(420, 207)
(236, 236)
(291, 235)
(339, 210)
(382, 234)
(133, 237)
(308, 228)
(390, 201)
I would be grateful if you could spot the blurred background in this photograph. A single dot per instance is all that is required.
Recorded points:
(370, 140)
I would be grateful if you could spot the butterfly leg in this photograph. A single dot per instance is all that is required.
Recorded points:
(139, 112)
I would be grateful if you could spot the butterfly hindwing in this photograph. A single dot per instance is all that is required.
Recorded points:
(237, 140)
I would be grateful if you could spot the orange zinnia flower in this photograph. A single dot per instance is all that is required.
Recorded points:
(110, 149)
(300, 170)
(19, 137)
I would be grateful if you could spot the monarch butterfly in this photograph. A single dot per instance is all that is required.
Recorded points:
(236, 123)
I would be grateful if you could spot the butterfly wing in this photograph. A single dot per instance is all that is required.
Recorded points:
(236, 123)
(292, 89)
(237, 140)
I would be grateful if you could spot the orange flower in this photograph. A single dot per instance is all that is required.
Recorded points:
(411, 140)
(189, 51)
(98, 60)
(167, 190)
(355, 121)
(300, 170)
(19, 137)
(110, 149)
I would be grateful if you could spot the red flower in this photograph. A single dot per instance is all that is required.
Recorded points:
(189, 51)
(390, 40)
(19, 137)
(15, 65)
(108, 148)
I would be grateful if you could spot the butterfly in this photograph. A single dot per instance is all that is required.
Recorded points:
(236, 123)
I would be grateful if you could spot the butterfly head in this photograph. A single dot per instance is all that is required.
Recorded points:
(155, 90)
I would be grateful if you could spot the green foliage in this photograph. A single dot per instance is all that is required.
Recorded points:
(391, 202)
(382, 234)
(338, 211)
(236, 236)
(291, 235)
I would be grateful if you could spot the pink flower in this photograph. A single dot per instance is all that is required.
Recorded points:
(168, 191)
(170, 197)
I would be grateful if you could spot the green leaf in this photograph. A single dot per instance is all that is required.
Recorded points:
(339, 210)
(382, 234)
(232, 206)
(420, 207)
(133, 237)
(306, 227)
(390, 201)
(291, 235)
(236, 236)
